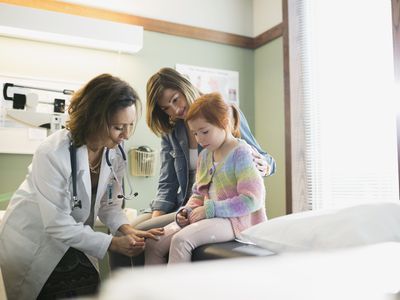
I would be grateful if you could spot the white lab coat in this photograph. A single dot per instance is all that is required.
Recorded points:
(39, 225)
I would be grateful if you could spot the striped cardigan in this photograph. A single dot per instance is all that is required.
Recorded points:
(239, 187)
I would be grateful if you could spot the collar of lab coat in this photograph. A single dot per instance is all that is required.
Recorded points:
(83, 166)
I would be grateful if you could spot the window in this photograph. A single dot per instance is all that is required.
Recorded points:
(346, 105)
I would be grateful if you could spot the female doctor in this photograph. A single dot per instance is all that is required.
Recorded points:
(48, 248)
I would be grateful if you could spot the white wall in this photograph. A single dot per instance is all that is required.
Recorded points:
(232, 16)
(266, 14)
(243, 17)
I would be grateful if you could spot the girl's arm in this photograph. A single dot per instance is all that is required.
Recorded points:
(250, 189)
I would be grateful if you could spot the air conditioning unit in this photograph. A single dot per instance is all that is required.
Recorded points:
(60, 28)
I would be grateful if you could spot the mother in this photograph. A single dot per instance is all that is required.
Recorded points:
(169, 96)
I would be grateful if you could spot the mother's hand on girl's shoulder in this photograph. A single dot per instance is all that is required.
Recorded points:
(260, 162)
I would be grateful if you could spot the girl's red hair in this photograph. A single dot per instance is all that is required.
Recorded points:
(212, 108)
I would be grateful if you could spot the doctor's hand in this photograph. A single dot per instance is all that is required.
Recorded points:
(153, 233)
(126, 245)
(199, 213)
(141, 234)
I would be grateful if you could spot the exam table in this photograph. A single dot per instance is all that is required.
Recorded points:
(339, 253)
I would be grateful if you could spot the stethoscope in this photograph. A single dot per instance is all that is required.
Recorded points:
(77, 203)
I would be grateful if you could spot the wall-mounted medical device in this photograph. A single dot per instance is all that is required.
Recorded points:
(142, 161)
(61, 28)
(24, 106)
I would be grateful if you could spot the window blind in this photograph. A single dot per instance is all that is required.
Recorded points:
(349, 105)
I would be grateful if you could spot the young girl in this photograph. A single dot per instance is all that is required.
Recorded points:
(228, 194)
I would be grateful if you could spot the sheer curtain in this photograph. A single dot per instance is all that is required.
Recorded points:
(349, 104)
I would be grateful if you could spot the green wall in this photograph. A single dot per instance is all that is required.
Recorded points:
(269, 116)
(260, 91)
(13, 170)
(59, 62)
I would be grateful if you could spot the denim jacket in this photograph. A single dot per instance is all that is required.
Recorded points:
(173, 189)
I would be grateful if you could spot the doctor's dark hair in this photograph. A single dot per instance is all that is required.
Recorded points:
(212, 108)
(91, 108)
(166, 78)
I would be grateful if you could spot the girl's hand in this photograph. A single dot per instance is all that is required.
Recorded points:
(182, 217)
(199, 213)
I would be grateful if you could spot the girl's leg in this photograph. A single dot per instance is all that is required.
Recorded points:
(200, 233)
(156, 251)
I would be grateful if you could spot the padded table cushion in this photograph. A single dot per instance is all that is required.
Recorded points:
(230, 249)
(218, 251)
